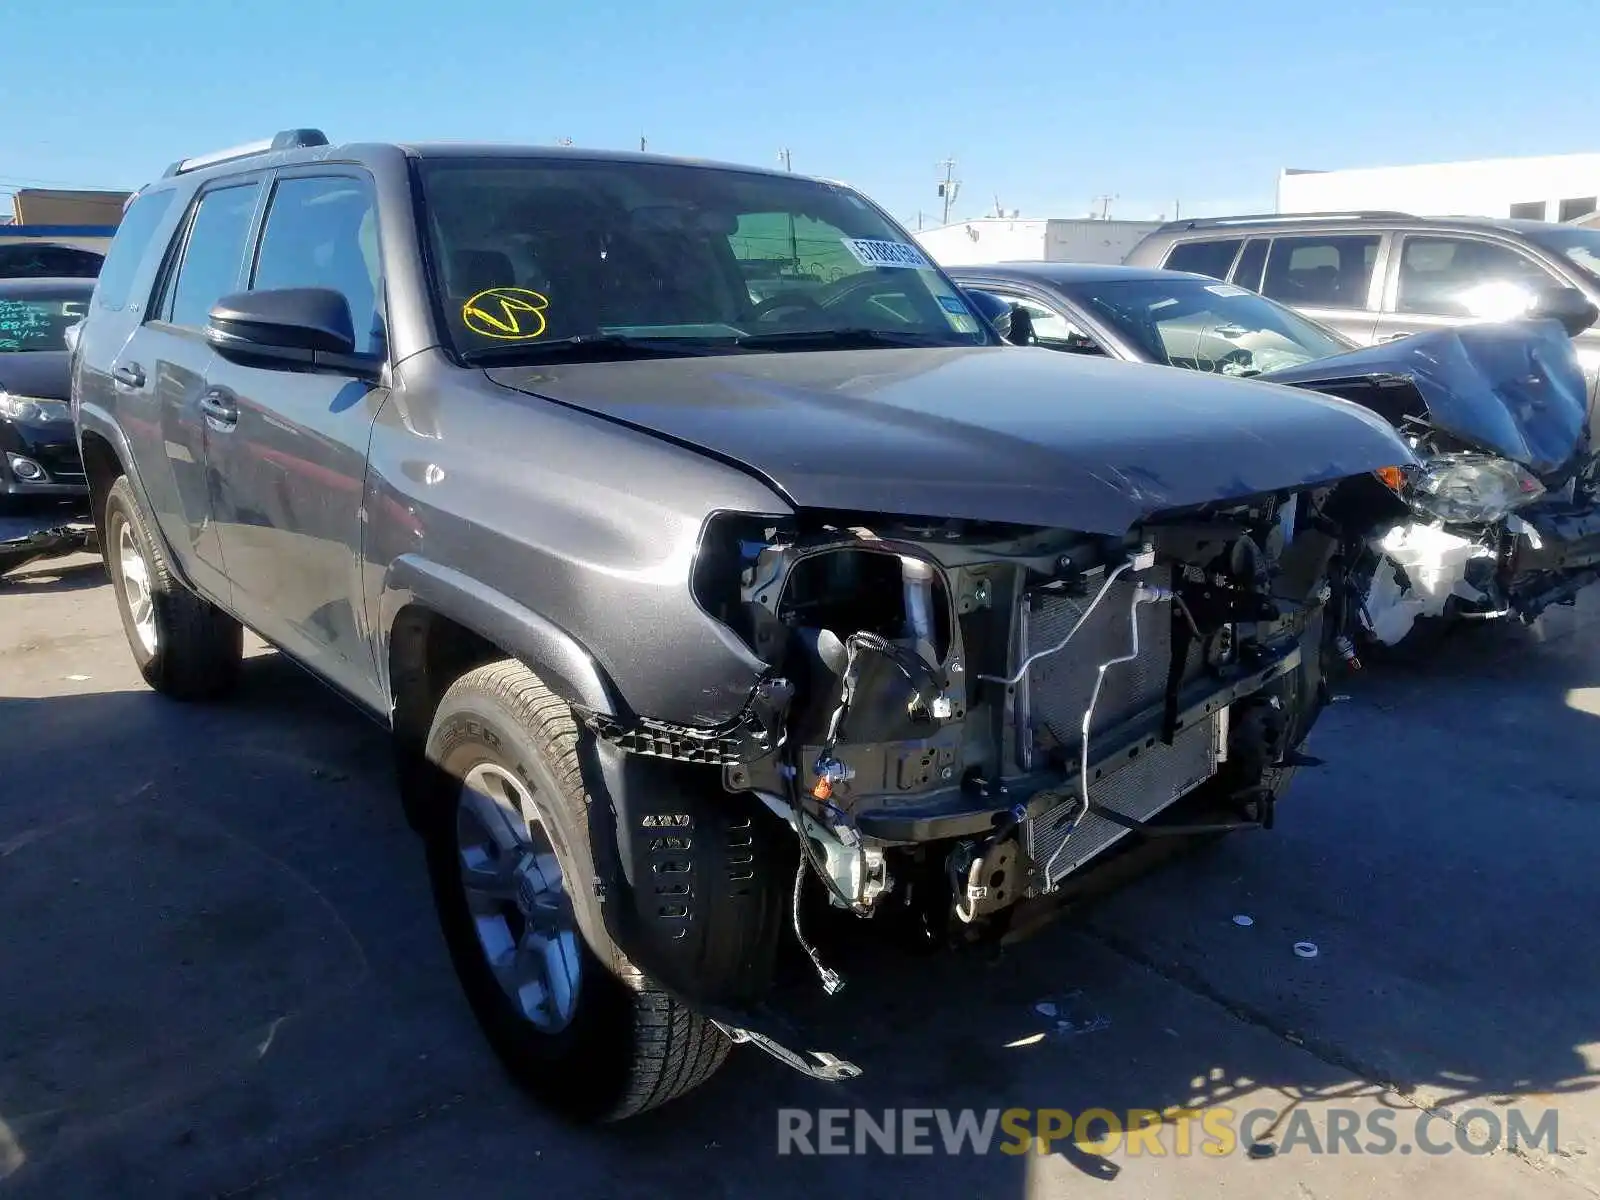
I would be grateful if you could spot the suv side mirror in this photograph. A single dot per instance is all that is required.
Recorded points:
(1575, 311)
(1010, 321)
(307, 326)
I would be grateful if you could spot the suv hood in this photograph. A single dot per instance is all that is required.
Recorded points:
(42, 373)
(983, 433)
(1513, 389)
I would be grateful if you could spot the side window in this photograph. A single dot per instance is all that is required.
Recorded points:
(322, 231)
(1050, 328)
(1466, 277)
(1211, 258)
(1247, 272)
(1577, 206)
(213, 255)
(1325, 272)
(128, 248)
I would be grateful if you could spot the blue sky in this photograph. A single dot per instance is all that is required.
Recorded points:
(1146, 100)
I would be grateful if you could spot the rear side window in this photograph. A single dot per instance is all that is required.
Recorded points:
(1211, 258)
(1323, 272)
(213, 254)
(323, 232)
(128, 248)
(1247, 274)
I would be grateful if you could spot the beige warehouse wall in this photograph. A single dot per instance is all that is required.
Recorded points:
(42, 206)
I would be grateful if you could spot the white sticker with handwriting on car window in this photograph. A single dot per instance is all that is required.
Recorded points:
(870, 253)
(1226, 289)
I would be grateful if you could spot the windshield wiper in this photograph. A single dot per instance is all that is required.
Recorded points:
(836, 339)
(588, 347)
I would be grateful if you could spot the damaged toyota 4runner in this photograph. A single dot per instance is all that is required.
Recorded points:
(700, 545)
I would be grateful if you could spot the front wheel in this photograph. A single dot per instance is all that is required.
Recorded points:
(507, 831)
(185, 646)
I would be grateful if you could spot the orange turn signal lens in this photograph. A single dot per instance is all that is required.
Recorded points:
(1394, 477)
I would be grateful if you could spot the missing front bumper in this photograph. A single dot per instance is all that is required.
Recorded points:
(26, 540)
(965, 813)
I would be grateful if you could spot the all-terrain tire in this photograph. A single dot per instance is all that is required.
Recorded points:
(197, 647)
(628, 1047)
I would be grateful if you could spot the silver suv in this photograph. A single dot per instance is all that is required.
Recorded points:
(1375, 276)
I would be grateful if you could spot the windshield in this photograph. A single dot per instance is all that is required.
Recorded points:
(1581, 246)
(39, 320)
(1206, 325)
(529, 253)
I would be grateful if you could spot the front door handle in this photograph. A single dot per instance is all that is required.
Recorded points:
(221, 410)
(130, 374)
(1393, 337)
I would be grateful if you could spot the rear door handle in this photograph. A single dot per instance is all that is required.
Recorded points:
(131, 374)
(221, 410)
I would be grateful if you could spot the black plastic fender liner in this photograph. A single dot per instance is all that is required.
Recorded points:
(691, 880)
(707, 935)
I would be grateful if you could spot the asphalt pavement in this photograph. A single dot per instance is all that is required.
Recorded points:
(220, 974)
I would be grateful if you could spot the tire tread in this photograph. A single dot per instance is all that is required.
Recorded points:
(200, 648)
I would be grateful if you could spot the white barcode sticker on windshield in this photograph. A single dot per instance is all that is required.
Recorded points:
(1226, 289)
(871, 253)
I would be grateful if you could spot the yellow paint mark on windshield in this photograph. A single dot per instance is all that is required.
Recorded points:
(508, 314)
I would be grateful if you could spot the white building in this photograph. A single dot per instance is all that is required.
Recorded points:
(1560, 187)
(1033, 239)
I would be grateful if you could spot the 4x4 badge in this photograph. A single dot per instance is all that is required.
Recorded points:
(507, 313)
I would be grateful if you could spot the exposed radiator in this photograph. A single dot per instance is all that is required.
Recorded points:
(1140, 788)
(1059, 685)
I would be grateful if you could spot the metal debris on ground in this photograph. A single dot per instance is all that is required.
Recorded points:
(1306, 949)
(1243, 921)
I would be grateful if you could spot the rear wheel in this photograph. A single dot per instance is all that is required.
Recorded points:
(185, 646)
(507, 831)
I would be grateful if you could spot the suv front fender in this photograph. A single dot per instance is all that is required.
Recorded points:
(564, 665)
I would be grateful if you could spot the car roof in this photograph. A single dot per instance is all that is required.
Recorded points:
(24, 285)
(1242, 227)
(436, 151)
(1065, 273)
(452, 150)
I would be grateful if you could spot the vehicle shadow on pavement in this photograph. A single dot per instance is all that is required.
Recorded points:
(223, 976)
(48, 576)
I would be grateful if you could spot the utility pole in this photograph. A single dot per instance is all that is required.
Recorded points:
(1176, 206)
(949, 188)
(794, 242)
(1105, 206)
(642, 143)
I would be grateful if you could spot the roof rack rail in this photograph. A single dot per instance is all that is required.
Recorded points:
(1287, 218)
(288, 139)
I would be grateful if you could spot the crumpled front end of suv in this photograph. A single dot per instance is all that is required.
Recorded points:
(960, 716)
(1101, 615)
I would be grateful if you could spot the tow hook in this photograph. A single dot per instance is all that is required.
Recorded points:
(818, 1064)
